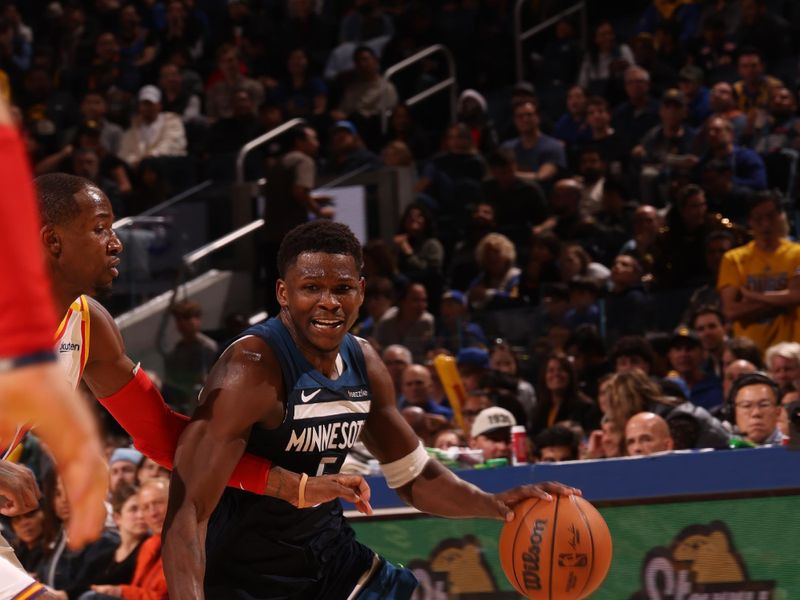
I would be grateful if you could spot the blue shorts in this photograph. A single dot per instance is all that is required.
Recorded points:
(390, 582)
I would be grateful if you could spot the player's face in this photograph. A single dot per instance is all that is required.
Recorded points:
(89, 246)
(321, 294)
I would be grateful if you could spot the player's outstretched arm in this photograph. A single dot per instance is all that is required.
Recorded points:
(244, 388)
(138, 407)
(433, 488)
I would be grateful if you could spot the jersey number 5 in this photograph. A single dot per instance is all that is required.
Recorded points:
(327, 465)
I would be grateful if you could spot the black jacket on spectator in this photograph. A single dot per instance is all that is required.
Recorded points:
(73, 572)
(116, 573)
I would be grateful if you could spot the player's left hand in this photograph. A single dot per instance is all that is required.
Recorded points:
(352, 488)
(505, 501)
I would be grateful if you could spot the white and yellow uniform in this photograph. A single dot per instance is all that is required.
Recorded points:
(72, 340)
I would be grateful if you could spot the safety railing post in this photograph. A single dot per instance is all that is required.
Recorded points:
(522, 36)
(449, 83)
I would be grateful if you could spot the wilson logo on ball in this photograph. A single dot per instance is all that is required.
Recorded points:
(530, 560)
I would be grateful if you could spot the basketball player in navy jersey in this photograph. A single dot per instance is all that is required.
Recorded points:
(300, 391)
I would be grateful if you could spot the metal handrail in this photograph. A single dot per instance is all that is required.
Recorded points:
(192, 257)
(260, 140)
(127, 221)
(415, 58)
(520, 36)
(187, 262)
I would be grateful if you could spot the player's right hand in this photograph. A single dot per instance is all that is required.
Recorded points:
(352, 488)
(18, 489)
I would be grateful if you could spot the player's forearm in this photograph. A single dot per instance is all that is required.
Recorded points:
(155, 428)
(184, 554)
(283, 484)
(438, 491)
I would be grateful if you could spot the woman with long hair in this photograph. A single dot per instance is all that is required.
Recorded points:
(632, 392)
(558, 397)
(129, 519)
(65, 570)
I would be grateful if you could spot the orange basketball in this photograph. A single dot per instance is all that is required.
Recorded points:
(559, 549)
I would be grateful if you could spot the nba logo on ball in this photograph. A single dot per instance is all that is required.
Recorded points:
(559, 549)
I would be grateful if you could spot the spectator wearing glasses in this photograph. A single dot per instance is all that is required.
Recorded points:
(757, 409)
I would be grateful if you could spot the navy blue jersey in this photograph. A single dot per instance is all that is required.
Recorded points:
(264, 548)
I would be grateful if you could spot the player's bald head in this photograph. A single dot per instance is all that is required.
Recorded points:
(57, 196)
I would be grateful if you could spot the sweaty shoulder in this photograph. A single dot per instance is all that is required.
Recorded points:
(249, 369)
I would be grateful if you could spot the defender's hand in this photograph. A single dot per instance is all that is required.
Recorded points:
(505, 501)
(352, 488)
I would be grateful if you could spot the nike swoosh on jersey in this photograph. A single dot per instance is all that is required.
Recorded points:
(310, 396)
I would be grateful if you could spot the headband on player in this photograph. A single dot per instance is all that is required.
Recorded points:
(406, 469)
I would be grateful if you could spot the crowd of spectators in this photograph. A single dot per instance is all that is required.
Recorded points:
(605, 248)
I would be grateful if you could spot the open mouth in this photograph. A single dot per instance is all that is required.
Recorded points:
(327, 324)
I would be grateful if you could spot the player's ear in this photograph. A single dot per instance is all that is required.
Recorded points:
(280, 293)
(51, 240)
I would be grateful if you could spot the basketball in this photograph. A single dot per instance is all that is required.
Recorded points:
(559, 549)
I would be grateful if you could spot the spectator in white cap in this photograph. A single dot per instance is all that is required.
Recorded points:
(152, 133)
(122, 467)
(491, 432)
